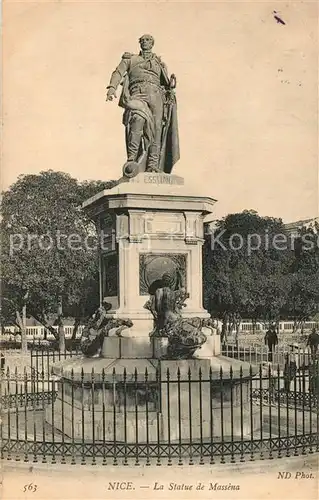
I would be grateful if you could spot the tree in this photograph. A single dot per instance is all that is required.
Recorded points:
(245, 274)
(303, 299)
(13, 313)
(48, 258)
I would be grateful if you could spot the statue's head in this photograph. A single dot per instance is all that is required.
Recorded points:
(146, 42)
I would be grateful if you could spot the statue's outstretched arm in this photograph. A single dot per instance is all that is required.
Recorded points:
(117, 77)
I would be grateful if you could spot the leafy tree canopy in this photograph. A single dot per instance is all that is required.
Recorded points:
(49, 264)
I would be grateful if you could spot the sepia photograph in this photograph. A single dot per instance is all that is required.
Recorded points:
(160, 250)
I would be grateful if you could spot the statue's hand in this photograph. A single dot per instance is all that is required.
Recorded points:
(111, 93)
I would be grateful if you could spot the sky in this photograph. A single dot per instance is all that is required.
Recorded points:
(247, 94)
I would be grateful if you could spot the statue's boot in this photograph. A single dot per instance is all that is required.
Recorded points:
(134, 145)
(135, 136)
(153, 159)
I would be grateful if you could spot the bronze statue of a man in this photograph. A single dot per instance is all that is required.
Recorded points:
(150, 114)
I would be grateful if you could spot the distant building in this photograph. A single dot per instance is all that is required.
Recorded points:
(293, 228)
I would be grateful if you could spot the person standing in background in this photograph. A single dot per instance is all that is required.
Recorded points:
(313, 343)
(271, 340)
(291, 367)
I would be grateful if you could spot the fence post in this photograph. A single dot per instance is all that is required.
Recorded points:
(279, 406)
(35, 397)
(222, 414)
(316, 381)
(83, 454)
(53, 461)
(17, 410)
(62, 416)
(251, 414)
(190, 417)
(93, 415)
(180, 462)
(242, 459)
(44, 460)
(211, 416)
(201, 461)
(169, 462)
(287, 420)
(232, 459)
(303, 395)
(72, 416)
(147, 416)
(295, 414)
(136, 420)
(270, 396)
(159, 385)
(261, 412)
(103, 416)
(125, 415)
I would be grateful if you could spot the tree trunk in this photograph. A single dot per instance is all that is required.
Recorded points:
(77, 322)
(19, 325)
(237, 326)
(21, 322)
(61, 336)
(61, 328)
(230, 327)
(24, 341)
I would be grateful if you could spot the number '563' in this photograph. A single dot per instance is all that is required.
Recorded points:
(30, 487)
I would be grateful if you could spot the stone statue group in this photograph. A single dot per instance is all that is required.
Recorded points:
(150, 116)
(184, 335)
(152, 145)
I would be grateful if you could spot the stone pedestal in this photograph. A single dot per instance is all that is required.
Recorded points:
(145, 400)
(134, 347)
(149, 225)
(200, 405)
(117, 399)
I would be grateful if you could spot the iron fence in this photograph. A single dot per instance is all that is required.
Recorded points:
(43, 359)
(180, 412)
(262, 354)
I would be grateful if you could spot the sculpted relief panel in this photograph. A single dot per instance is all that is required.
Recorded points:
(154, 266)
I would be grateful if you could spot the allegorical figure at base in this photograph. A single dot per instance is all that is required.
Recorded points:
(150, 116)
(184, 335)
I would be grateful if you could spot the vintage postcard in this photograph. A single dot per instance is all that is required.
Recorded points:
(160, 250)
